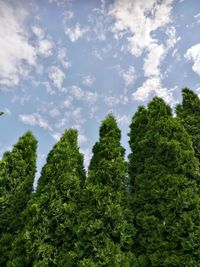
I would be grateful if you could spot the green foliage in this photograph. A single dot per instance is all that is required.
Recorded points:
(49, 235)
(17, 171)
(74, 221)
(189, 113)
(1, 113)
(164, 190)
(105, 232)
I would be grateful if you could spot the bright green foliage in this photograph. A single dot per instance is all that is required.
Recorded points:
(49, 235)
(164, 189)
(189, 113)
(17, 171)
(105, 229)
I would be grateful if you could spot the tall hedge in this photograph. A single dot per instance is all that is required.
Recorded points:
(189, 113)
(16, 184)
(105, 232)
(49, 236)
(164, 189)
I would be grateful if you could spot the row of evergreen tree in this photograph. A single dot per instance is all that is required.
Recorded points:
(140, 213)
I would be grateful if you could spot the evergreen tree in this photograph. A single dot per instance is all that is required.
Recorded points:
(138, 129)
(164, 189)
(105, 229)
(17, 171)
(189, 113)
(49, 235)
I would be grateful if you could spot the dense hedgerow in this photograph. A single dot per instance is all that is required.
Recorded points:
(163, 174)
(140, 213)
(17, 172)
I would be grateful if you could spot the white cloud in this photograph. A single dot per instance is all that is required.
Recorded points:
(140, 19)
(113, 101)
(82, 139)
(54, 113)
(58, 2)
(172, 38)
(150, 87)
(123, 119)
(62, 57)
(68, 102)
(74, 32)
(88, 80)
(129, 76)
(57, 76)
(77, 92)
(35, 119)
(44, 45)
(15, 50)
(56, 136)
(193, 54)
(80, 94)
(153, 59)
(21, 99)
(87, 156)
(90, 97)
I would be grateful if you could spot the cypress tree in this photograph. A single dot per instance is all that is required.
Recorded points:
(138, 129)
(189, 113)
(105, 229)
(16, 183)
(49, 235)
(164, 189)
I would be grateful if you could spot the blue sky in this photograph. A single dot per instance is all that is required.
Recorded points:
(68, 63)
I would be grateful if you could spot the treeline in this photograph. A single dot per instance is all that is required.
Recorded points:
(140, 213)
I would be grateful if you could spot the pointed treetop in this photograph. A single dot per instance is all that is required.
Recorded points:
(190, 103)
(62, 158)
(109, 127)
(158, 108)
(25, 145)
(70, 137)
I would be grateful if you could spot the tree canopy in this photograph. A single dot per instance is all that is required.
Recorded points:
(164, 189)
(16, 183)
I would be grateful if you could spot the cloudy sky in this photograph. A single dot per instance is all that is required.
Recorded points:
(68, 63)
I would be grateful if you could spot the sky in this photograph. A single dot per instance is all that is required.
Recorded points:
(68, 63)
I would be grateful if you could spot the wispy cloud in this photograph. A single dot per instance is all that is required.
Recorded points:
(35, 119)
(15, 49)
(88, 80)
(74, 31)
(44, 46)
(193, 54)
(57, 76)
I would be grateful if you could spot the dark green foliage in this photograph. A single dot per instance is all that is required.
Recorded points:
(105, 229)
(164, 189)
(138, 130)
(189, 113)
(49, 235)
(17, 171)
(1, 113)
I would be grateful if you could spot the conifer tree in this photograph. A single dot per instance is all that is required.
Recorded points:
(189, 113)
(17, 171)
(105, 228)
(138, 129)
(49, 235)
(164, 190)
